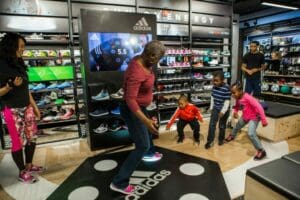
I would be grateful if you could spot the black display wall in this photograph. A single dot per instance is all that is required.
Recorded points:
(107, 29)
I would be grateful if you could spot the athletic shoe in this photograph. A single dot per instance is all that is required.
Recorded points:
(221, 142)
(101, 129)
(152, 158)
(39, 86)
(103, 95)
(116, 111)
(208, 145)
(128, 190)
(37, 169)
(99, 112)
(53, 95)
(26, 177)
(64, 85)
(260, 154)
(151, 107)
(180, 139)
(213, 62)
(52, 86)
(226, 75)
(30, 86)
(114, 127)
(225, 53)
(229, 138)
(68, 114)
(197, 141)
(118, 95)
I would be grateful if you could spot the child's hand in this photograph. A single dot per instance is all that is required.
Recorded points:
(235, 115)
(264, 124)
(221, 114)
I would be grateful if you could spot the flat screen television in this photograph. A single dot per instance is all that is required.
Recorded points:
(113, 51)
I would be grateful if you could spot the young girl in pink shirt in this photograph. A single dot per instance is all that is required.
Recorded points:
(252, 114)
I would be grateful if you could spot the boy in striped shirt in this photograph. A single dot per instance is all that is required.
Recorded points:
(219, 106)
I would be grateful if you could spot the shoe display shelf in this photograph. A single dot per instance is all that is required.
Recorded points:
(282, 85)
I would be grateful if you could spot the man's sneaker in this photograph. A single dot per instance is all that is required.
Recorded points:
(101, 129)
(37, 169)
(152, 158)
(208, 145)
(221, 142)
(99, 113)
(180, 139)
(229, 138)
(103, 95)
(118, 95)
(128, 190)
(197, 141)
(260, 154)
(26, 177)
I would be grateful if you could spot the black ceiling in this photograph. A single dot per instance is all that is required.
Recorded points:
(244, 7)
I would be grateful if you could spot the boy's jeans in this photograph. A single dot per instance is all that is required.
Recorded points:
(251, 132)
(214, 118)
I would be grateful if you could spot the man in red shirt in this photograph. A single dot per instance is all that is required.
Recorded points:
(187, 114)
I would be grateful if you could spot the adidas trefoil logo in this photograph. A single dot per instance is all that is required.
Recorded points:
(142, 25)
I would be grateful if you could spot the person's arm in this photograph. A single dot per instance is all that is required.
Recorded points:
(173, 118)
(4, 90)
(236, 109)
(211, 102)
(198, 114)
(225, 106)
(34, 106)
(226, 103)
(133, 83)
(258, 108)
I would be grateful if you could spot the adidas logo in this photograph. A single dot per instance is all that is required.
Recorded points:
(142, 25)
(145, 181)
(94, 37)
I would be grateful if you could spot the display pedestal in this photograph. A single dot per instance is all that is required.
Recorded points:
(279, 129)
(255, 190)
(283, 122)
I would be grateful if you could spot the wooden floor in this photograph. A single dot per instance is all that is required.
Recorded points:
(61, 159)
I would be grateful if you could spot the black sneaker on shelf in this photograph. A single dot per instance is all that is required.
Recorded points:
(99, 113)
(260, 154)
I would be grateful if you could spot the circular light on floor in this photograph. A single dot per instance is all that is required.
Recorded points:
(193, 196)
(86, 193)
(191, 169)
(105, 165)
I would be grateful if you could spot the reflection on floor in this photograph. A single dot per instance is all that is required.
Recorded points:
(62, 159)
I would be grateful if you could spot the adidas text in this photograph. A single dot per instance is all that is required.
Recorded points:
(141, 28)
(148, 184)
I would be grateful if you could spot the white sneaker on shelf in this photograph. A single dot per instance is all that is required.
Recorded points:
(101, 129)
(118, 95)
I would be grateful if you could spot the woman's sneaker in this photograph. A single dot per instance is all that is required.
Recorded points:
(260, 154)
(37, 169)
(26, 177)
(128, 190)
